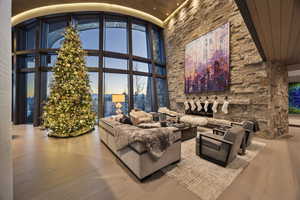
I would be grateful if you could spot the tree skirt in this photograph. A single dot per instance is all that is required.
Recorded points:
(206, 179)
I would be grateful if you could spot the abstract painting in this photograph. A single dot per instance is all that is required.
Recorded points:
(207, 62)
(294, 98)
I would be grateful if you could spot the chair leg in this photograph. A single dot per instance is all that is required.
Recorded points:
(243, 152)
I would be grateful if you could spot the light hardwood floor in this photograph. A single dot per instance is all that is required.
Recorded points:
(83, 168)
(294, 120)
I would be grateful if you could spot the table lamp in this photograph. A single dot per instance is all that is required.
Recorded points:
(118, 99)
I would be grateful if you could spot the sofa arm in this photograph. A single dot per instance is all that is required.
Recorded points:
(225, 158)
(216, 137)
(236, 123)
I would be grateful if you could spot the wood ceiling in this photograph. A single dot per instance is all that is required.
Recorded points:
(277, 26)
(275, 23)
(158, 8)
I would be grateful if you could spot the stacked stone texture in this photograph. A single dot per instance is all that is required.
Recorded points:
(253, 92)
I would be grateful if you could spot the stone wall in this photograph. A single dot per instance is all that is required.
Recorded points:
(6, 183)
(278, 103)
(251, 92)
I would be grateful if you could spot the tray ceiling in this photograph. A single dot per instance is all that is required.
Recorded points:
(158, 8)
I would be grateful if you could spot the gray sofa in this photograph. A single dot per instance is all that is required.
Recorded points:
(135, 156)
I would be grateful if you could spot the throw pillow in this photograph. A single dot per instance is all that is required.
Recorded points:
(125, 120)
(138, 117)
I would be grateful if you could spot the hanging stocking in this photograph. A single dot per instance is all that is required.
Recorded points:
(206, 105)
(225, 107)
(186, 106)
(193, 106)
(215, 106)
(199, 106)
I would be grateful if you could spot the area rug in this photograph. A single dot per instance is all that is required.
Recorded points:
(205, 179)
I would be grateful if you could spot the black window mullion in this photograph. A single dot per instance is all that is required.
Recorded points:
(18, 115)
(141, 73)
(38, 79)
(32, 70)
(93, 69)
(129, 36)
(154, 92)
(141, 59)
(25, 52)
(119, 71)
(101, 73)
(115, 55)
(165, 65)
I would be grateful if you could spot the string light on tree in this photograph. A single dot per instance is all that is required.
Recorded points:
(68, 110)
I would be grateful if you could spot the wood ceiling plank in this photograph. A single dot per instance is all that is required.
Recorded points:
(293, 47)
(295, 56)
(262, 8)
(274, 8)
(161, 6)
(259, 27)
(286, 23)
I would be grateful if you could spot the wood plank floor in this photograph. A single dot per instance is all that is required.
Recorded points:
(294, 120)
(83, 168)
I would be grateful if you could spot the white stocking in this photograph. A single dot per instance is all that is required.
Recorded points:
(193, 106)
(215, 106)
(186, 105)
(225, 107)
(206, 105)
(199, 106)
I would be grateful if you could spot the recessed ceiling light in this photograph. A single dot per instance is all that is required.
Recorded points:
(154, 8)
(177, 4)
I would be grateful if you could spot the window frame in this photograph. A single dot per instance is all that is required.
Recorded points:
(18, 115)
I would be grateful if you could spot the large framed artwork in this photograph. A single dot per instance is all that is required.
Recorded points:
(294, 98)
(207, 62)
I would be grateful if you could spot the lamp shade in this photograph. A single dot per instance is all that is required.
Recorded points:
(118, 98)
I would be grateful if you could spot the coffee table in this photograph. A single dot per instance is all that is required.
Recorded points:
(187, 131)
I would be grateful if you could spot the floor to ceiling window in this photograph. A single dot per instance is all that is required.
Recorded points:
(124, 56)
(29, 96)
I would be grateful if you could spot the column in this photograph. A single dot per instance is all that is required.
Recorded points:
(6, 191)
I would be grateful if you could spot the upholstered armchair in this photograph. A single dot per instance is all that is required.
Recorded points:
(220, 149)
(250, 128)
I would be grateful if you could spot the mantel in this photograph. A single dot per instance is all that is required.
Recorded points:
(236, 102)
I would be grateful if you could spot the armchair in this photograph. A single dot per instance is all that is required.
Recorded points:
(250, 128)
(220, 149)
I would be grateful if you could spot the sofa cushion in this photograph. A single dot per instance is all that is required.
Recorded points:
(218, 122)
(169, 112)
(194, 120)
(149, 125)
(138, 116)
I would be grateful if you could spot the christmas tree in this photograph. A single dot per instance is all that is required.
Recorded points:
(68, 110)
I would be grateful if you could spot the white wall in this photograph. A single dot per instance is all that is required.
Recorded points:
(6, 191)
